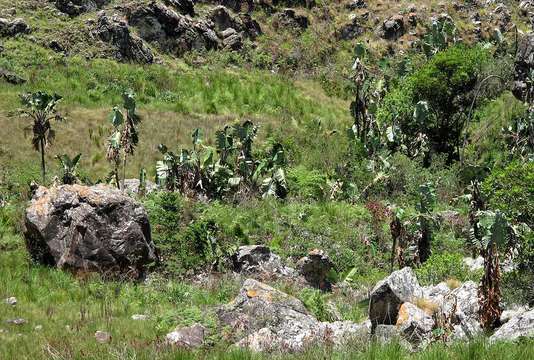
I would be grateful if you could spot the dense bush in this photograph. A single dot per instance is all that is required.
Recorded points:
(441, 267)
(444, 83)
(511, 190)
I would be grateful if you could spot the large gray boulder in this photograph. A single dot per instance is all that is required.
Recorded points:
(265, 319)
(88, 229)
(127, 46)
(519, 326)
(389, 294)
(187, 337)
(414, 324)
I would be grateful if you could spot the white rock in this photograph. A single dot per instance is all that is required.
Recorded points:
(139, 317)
(102, 337)
(11, 301)
(521, 325)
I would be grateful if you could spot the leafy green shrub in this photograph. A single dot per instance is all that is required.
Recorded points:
(316, 302)
(443, 84)
(440, 267)
(307, 183)
(511, 190)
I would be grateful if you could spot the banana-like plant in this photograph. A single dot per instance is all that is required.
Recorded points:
(519, 136)
(439, 36)
(230, 168)
(495, 235)
(41, 108)
(69, 168)
(425, 219)
(124, 137)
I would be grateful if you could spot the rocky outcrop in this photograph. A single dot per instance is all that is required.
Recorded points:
(519, 326)
(288, 19)
(9, 28)
(265, 319)
(315, 268)
(414, 324)
(11, 78)
(127, 46)
(350, 30)
(187, 337)
(171, 31)
(524, 64)
(389, 294)
(186, 7)
(258, 259)
(392, 28)
(132, 186)
(88, 229)
(78, 7)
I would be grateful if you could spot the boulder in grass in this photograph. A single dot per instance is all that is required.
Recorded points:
(187, 337)
(520, 326)
(389, 294)
(83, 228)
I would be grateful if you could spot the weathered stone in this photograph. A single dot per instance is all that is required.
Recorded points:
(524, 65)
(128, 47)
(510, 313)
(290, 20)
(389, 294)
(519, 326)
(392, 28)
(12, 301)
(102, 337)
(187, 337)
(273, 321)
(254, 259)
(18, 321)
(186, 7)
(350, 30)
(356, 4)
(171, 31)
(315, 268)
(11, 78)
(414, 324)
(9, 28)
(475, 264)
(78, 7)
(88, 228)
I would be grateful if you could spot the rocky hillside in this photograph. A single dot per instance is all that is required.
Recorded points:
(288, 179)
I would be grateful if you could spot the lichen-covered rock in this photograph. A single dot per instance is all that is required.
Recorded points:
(315, 268)
(350, 30)
(414, 324)
(265, 319)
(88, 228)
(187, 337)
(389, 294)
(186, 7)
(521, 325)
(128, 47)
(172, 32)
(258, 259)
(11, 78)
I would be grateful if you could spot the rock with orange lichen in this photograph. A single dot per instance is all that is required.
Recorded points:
(82, 228)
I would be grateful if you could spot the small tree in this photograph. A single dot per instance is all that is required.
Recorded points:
(41, 108)
(69, 168)
(124, 138)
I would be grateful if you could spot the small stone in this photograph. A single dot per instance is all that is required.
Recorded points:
(19, 321)
(38, 327)
(188, 337)
(102, 337)
(11, 301)
(139, 317)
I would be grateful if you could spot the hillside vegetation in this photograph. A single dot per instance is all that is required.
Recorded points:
(373, 135)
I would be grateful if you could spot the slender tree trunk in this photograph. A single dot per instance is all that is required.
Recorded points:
(124, 172)
(43, 165)
(117, 179)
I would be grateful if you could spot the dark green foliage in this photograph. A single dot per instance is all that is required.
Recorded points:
(441, 267)
(444, 83)
(69, 167)
(511, 190)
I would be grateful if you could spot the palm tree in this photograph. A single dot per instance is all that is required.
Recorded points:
(41, 108)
